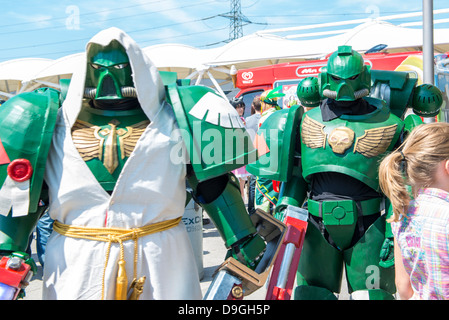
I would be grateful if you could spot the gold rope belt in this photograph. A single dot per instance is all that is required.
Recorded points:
(116, 235)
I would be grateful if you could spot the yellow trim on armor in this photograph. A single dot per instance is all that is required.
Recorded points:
(267, 191)
(117, 235)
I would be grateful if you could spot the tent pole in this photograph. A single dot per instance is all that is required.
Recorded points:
(428, 55)
(200, 77)
(428, 52)
(217, 86)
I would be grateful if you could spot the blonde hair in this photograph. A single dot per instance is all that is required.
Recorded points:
(413, 165)
(264, 95)
(263, 105)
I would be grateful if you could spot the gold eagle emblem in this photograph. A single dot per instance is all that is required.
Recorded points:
(312, 133)
(375, 141)
(93, 141)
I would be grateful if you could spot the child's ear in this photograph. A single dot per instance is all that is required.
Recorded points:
(446, 166)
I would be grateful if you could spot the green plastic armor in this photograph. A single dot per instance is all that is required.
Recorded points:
(346, 77)
(109, 74)
(214, 136)
(217, 143)
(346, 145)
(338, 146)
(117, 131)
(216, 139)
(308, 92)
(27, 126)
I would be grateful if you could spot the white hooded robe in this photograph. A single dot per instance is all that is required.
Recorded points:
(150, 189)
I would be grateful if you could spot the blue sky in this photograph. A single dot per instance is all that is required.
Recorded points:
(53, 29)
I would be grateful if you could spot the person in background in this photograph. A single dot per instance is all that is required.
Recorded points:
(241, 172)
(239, 106)
(266, 195)
(252, 125)
(416, 180)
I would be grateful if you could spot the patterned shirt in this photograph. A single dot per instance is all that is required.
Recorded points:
(423, 236)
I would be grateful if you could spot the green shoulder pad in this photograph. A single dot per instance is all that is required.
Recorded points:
(215, 136)
(275, 142)
(395, 88)
(27, 125)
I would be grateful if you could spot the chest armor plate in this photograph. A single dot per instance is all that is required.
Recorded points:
(352, 145)
(105, 140)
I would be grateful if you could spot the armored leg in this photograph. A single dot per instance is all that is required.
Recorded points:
(366, 279)
(320, 268)
(221, 199)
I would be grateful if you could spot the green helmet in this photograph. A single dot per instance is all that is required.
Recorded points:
(108, 75)
(308, 92)
(346, 77)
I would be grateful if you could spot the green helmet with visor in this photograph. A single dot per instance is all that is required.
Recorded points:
(109, 74)
(346, 76)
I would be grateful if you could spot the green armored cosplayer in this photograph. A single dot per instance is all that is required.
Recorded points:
(327, 159)
(122, 148)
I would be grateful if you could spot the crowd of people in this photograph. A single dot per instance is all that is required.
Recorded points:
(259, 192)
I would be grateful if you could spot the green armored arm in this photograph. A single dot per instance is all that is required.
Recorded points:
(27, 126)
(216, 143)
(279, 158)
(294, 190)
(220, 197)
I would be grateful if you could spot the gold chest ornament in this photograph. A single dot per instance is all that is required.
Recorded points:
(93, 141)
(372, 143)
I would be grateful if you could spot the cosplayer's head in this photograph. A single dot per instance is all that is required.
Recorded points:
(270, 97)
(346, 77)
(109, 74)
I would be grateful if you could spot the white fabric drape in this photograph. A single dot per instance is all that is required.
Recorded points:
(150, 188)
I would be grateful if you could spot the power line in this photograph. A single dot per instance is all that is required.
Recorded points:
(129, 32)
(88, 38)
(109, 19)
(235, 16)
(82, 14)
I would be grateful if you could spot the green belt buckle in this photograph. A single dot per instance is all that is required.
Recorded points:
(342, 212)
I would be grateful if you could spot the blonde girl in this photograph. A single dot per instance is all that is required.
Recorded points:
(415, 178)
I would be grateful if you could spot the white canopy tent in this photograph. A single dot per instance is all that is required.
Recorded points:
(61, 68)
(188, 62)
(396, 38)
(13, 73)
(261, 48)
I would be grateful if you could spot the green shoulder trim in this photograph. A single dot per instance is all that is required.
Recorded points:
(214, 135)
(28, 122)
(275, 141)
